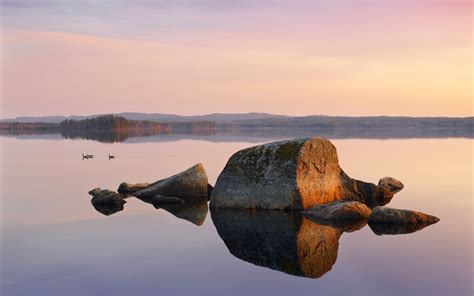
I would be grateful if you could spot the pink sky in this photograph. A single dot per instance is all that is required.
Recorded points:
(297, 58)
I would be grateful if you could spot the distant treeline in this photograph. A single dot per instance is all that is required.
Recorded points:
(26, 128)
(114, 128)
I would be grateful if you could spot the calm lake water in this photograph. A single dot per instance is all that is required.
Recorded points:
(53, 242)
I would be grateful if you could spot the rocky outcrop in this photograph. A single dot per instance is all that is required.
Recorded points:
(279, 240)
(290, 175)
(386, 215)
(106, 202)
(339, 210)
(192, 183)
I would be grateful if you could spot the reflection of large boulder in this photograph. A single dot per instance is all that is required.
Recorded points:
(106, 202)
(192, 183)
(294, 174)
(283, 241)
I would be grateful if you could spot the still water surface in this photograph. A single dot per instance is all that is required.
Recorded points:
(53, 242)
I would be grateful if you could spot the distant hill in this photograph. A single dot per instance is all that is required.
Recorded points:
(114, 128)
(156, 117)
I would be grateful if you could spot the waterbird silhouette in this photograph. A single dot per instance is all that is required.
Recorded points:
(111, 157)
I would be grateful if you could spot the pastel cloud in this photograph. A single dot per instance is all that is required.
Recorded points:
(286, 59)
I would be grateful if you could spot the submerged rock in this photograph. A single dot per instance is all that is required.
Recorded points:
(192, 183)
(106, 201)
(386, 215)
(339, 210)
(279, 240)
(291, 175)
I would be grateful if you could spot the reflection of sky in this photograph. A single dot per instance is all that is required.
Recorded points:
(330, 57)
(52, 240)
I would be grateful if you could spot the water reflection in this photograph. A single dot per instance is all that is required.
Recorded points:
(286, 241)
(393, 229)
(192, 210)
(241, 134)
(283, 241)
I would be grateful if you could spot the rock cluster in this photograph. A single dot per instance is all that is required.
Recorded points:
(299, 174)
(292, 175)
(188, 185)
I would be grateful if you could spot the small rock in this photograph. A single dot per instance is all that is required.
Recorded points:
(339, 210)
(191, 183)
(106, 201)
(131, 188)
(391, 184)
(386, 215)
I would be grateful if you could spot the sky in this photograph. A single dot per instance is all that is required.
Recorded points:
(333, 57)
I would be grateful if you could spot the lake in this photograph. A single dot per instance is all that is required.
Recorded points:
(53, 242)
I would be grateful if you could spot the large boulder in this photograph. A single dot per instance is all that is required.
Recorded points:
(106, 202)
(290, 175)
(279, 240)
(192, 183)
(386, 215)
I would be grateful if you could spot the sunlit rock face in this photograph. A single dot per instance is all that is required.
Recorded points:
(339, 211)
(290, 175)
(191, 183)
(283, 241)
